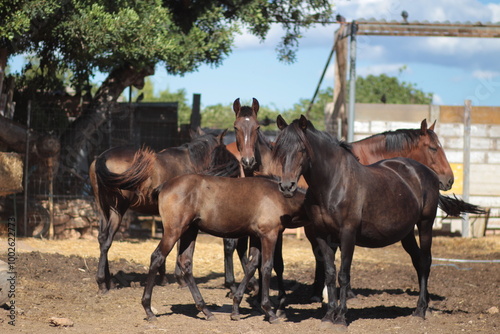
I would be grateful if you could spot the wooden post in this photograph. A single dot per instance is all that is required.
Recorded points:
(195, 112)
(352, 84)
(465, 193)
(339, 89)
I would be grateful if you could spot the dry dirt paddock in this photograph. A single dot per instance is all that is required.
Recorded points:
(56, 279)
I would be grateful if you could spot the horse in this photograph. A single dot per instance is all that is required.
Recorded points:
(194, 202)
(352, 204)
(254, 151)
(123, 178)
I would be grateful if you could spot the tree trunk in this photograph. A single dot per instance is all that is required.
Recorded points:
(74, 151)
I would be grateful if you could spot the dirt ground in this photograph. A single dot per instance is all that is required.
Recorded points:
(56, 279)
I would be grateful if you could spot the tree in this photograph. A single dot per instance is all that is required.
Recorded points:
(127, 38)
(386, 89)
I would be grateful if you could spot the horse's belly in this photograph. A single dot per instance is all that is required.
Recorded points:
(383, 233)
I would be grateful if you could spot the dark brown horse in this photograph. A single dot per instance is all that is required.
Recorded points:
(257, 209)
(352, 204)
(254, 151)
(124, 178)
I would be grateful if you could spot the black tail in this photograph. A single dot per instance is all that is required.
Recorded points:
(454, 206)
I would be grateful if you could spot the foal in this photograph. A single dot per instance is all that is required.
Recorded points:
(227, 208)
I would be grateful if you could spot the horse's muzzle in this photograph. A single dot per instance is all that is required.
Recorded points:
(248, 163)
(288, 188)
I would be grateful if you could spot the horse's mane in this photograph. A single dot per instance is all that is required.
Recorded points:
(222, 163)
(198, 149)
(399, 140)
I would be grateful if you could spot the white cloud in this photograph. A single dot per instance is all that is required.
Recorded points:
(437, 100)
(483, 74)
(389, 69)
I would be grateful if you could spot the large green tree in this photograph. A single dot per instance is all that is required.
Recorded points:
(126, 39)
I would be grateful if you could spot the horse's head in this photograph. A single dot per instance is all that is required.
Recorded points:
(430, 152)
(246, 129)
(292, 152)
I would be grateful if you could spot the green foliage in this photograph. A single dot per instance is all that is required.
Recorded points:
(386, 89)
(88, 36)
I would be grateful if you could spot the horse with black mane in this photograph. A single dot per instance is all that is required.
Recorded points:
(124, 178)
(352, 204)
(254, 151)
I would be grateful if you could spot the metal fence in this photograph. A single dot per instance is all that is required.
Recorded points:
(45, 209)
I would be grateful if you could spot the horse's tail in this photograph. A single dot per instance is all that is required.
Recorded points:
(454, 206)
(133, 179)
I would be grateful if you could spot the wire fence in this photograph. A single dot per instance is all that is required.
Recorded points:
(57, 200)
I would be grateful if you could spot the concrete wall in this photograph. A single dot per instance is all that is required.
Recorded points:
(485, 143)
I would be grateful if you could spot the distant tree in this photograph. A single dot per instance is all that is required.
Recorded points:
(386, 89)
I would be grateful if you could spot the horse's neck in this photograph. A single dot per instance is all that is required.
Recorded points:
(373, 149)
(329, 165)
(263, 154)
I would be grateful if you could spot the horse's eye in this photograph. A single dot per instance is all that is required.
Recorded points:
(433, 149)
(258, 128)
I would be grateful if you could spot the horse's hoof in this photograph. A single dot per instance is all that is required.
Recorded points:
(281, 313)
(274, 320)
(211, 317)
(102, 292)
(419, 314)
(328, 325)
(235, 317)
(151, 318)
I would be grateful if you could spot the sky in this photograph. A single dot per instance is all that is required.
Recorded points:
(453, 69)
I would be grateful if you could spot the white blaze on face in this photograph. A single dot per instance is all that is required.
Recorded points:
(246, 135)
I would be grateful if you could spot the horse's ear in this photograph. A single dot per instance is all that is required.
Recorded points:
(255, 105)
(423, 127)
(236, 106)
(281, 123)
(220, 137)
(195, 134)
(303, 122)
(432, 126)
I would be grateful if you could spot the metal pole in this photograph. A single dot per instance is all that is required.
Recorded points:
(466, 191)
(25, 215)
(352, 84)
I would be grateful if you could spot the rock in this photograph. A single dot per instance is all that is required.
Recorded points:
(492, 310)
(61, 322)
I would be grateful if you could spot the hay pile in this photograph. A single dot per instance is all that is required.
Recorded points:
(11, 173)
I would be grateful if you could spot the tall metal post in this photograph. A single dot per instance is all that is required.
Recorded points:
(352, 83)
(466, 191)
(26, 170)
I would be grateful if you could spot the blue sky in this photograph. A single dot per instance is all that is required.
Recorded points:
(454, 69)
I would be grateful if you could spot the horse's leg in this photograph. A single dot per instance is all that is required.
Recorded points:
(268, 245)
(158, 259)
(347, 241)
(421, 259)
(279, 268)
(330, 279)
(253, 262)
(242, 248)
(319, 273)
(185, 260)
(178, 272)
(107, 231)
(229, 281)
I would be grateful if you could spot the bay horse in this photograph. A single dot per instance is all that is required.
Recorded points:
(352, 204)
(254, 151)
(123, 178)
(194, 202)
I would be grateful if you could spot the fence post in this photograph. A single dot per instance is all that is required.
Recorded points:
(26, 179)
(465, 192)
